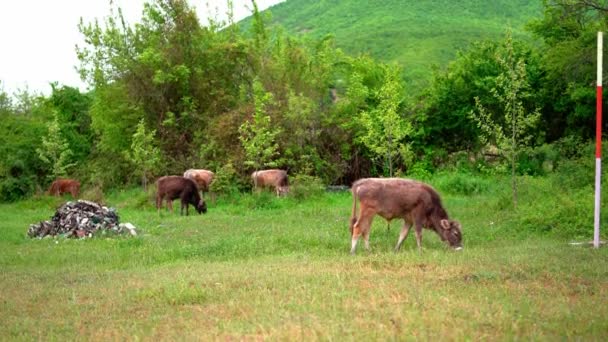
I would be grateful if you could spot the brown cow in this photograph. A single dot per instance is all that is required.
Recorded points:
(416, 203)
(202, 178)
(273, 178)
(63, 186)
(172, 187)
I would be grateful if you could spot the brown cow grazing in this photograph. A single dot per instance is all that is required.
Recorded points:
(416, 203)
(273, 178)
(172, 187)
(202, 178)
(63, 186)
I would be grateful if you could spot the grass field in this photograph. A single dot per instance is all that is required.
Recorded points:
(262, 268)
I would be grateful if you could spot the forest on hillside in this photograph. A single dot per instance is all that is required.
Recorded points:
(418, 35)
(169, 94)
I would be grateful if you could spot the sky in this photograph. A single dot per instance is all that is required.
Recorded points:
(38, 37)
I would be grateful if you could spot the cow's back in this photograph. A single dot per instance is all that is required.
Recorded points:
(273, 177)
(201, 177)
(171, 185)
(391, 197)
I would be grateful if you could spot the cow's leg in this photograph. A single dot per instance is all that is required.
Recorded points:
(170, 204)
(159, 202)
(366, 239)
(418, 228)
(361, 227)
(404, 232)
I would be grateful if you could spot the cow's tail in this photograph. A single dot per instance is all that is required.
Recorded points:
(353, 216)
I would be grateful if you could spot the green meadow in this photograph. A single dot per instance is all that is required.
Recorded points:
(256, 267)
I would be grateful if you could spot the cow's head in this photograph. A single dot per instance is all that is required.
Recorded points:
(452, 233)
(201, 207)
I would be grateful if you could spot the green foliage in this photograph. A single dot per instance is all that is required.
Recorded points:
(420, 170)
(461, 183)
(143, 155)
(290, 97)
(258, 136)
(384, 127)
(15, 188)
(225, 181)
(512, 88)
(21, 170)
(72, 109)
(261, 200)
(569, 29)
(302, 187)
(55, 151)
(416, 34)
(537, 161)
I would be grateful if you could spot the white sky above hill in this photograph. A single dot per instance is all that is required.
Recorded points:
(38, 37)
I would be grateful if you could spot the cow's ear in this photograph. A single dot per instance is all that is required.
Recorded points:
(445, 224)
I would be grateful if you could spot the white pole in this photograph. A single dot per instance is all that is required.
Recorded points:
(598, 142)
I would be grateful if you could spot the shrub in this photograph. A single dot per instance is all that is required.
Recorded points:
(304, 186)
(225, 181)
(93, 193)
(537, 161)
(462, 183)
(12, 189)
(421, 170)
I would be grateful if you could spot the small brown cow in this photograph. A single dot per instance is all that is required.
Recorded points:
(418, 204)
(202, 178)
(63, 186)
(274, 178)
(172, 187)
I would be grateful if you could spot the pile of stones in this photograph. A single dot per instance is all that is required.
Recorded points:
(79, 220)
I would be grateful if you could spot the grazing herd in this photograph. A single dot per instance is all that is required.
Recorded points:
(417, 203)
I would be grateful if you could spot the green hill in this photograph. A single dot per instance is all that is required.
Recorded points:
(416, 34)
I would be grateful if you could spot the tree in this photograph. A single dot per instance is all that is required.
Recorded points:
(143, 154)
(5, 100)
(258, 135)
(569, 30)
(512, 88)
(55, 151)
(72, 108)
(384, 128)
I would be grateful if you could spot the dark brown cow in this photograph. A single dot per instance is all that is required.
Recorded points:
(63, 186)
(416, 203)
(202, 178)
(172, 187)
(274, 178)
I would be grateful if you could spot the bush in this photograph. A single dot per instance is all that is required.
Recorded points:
(225, 181)
(537, 161)
(304, 186)
(462, 183)
(421, 170)
(93, 193)
(12, 189)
